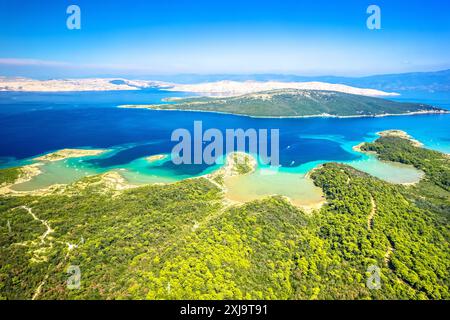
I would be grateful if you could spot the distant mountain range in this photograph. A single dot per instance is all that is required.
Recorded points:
(227, 88)
(416, 81)
(429, 82)
(296, 103)
(219, 88)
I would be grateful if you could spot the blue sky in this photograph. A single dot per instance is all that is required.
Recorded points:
(143, 37)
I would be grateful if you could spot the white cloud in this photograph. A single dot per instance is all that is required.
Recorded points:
(31, 62)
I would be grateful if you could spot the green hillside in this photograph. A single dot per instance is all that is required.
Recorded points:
(183, 241)
(295, 103)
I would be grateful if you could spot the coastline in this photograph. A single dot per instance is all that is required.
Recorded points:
(229, 169)
(115, 181)
(230, 175)
(425, 112)
(399, 134)
(156, 157)
(27, 173)
(390, 133)
(69, 153)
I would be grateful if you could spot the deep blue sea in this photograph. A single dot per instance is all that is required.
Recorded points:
(32, 124)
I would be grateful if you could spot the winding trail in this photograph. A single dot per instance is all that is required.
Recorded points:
(44, 222)
(37, 292)
(373, 211)
(42, 237)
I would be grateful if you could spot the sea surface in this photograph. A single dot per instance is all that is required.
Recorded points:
(33, 124)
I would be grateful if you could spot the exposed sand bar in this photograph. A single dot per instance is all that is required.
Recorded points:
(156, 157)
(69, 153)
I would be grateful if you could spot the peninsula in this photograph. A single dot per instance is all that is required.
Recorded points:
(69, 153)
(132, 241)
(296, 103)
(136, 240)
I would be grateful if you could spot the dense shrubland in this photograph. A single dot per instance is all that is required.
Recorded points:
(295, 103)
(9, 175)
(181, 241)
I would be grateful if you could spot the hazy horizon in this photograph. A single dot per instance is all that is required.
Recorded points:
(214, 77)
(209, 38)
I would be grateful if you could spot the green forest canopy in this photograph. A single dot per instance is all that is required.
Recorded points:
(181, 241)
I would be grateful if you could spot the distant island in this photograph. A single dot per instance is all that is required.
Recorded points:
(69, 153)
(296, 103)
(156, 157)
(227, 88)
(223, 88)
(381, 85)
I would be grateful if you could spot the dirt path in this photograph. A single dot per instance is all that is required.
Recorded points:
(225, 206)
(42, 238)
(373, 211)
(45, 223)
(37, 292)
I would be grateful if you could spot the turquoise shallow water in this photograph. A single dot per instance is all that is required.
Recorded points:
(45, 123)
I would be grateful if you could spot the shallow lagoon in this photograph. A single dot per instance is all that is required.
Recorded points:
(300, 190)
(43, 125)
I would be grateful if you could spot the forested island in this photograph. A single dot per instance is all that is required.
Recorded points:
(183, 241)
(296, 103)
